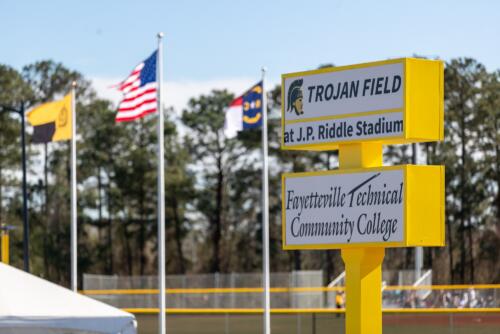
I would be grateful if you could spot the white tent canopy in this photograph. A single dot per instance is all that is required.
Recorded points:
(31, 305)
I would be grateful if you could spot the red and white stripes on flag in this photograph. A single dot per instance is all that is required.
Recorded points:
(139, 91)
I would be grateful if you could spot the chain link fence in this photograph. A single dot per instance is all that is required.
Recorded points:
(300, 301)
(289, 290)
(237, 290)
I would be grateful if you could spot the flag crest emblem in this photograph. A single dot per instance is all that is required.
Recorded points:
(252, 107)
(51, 121)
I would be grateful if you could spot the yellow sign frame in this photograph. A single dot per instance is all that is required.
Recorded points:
(423, 207)
(423, 104)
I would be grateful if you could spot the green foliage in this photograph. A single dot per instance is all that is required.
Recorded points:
(14, 89)
(470, 155)
(214, 155)
(213, 183)
(49, 80)
(13, 92)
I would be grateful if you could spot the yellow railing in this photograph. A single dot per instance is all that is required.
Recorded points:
(443, 287)
(146, 304)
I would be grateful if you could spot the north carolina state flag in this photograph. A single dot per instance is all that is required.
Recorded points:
(244, 112)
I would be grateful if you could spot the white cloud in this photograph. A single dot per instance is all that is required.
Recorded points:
(104, 89)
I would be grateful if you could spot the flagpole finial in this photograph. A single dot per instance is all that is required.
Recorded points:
(160, 34)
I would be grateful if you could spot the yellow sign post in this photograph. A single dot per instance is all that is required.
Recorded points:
(363, 266)
(363, 207)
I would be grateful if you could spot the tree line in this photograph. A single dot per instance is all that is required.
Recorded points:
(213, 184)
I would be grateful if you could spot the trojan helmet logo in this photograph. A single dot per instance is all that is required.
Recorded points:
(62, 118)
(295, 97)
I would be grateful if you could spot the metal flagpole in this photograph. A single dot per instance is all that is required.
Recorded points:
(265, 212)
(161, 194)
(74, 280)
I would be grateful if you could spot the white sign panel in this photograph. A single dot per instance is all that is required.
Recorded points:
(345, 92)
(343, 208)
(343, 129)
(367, 99)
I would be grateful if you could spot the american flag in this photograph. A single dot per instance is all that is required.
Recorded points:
(139, 91)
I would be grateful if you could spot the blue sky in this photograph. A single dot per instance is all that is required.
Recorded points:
(215, 43)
